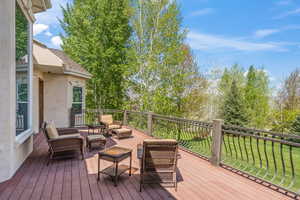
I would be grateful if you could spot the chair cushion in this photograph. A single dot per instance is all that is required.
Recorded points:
(107, 119)
(52, 131)
(122, 130)
(95, 137)
(114, 126)
(70, 136)
(160, 141)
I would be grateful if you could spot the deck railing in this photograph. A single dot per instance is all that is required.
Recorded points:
(269, 158)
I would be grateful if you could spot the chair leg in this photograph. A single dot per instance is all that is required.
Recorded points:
(49, 158)
(141, 182)
(82, 154)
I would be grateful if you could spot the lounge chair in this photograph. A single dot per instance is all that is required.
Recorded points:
(159, 162)
(109, 122)
(62, 142)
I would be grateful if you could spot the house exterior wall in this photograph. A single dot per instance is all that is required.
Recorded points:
(58, 97)
(35, 99)
(13, 149)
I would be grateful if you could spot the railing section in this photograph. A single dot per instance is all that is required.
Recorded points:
(273, 157)
(194, 136)
(138, 120)
(92, 116)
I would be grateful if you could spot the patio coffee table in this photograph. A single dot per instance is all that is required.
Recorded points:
(115, 154)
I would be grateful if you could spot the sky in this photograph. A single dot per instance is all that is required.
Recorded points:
(264, 33)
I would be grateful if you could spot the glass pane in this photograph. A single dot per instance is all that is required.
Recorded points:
(77, 94)
(22, 71)
(77, 108)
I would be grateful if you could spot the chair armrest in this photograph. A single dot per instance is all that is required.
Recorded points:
(139, 151)
(118, 123)
(65, 131)
(67, 143)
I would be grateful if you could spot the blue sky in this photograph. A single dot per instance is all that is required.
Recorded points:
(265, 33)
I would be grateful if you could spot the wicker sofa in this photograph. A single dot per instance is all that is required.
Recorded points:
(62, 142)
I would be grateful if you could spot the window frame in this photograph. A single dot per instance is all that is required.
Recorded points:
(82, 98)
(23, 136)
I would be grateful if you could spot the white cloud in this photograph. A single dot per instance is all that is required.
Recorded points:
(48, 33)
(200, 41)
(50, 16)
(39, 28)
(288, 13)
(56, 41)
(265, 32)
(284, 2)
(205, 11)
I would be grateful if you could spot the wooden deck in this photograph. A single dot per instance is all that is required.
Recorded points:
(76, 179)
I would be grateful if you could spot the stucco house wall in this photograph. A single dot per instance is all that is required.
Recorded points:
(59, 75)
(13, 149)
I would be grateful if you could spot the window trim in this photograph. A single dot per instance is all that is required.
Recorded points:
(78, 102)
(23, 136)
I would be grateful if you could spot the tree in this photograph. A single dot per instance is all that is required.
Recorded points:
(234, 111)
(289, 96)
(295, 128)
(163, 67)
(230, 75)
(97, 36)
(257, 97)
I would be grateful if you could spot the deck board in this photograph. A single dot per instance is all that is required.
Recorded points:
(77, 179)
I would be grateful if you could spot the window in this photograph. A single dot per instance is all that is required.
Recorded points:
(77, 104)
(22, 71)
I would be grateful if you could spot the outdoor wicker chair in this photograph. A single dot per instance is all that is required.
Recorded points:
(109, 122)
(159, 162)
(62, 142)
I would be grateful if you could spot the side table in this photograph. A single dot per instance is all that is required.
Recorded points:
(115, 154)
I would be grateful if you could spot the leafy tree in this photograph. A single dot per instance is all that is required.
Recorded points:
(257, 97)
(164, 65)
(282, 120)
(289, 95)
(234, 111)
(295, 128)
(97, 36)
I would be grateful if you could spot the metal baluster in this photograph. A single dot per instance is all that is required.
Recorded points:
(246, 151)
(225, 147)
(252, 154)
(235, 150)
(274, 161)
(266, 156)
(259, 155)
(292, 167)
(240, 148)
(282, 164)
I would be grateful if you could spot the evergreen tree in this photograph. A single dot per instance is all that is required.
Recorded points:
(234, 111)
(97, 36)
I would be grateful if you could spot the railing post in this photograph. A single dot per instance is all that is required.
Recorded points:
(216, 142)
(149, 123)
(125, 118)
